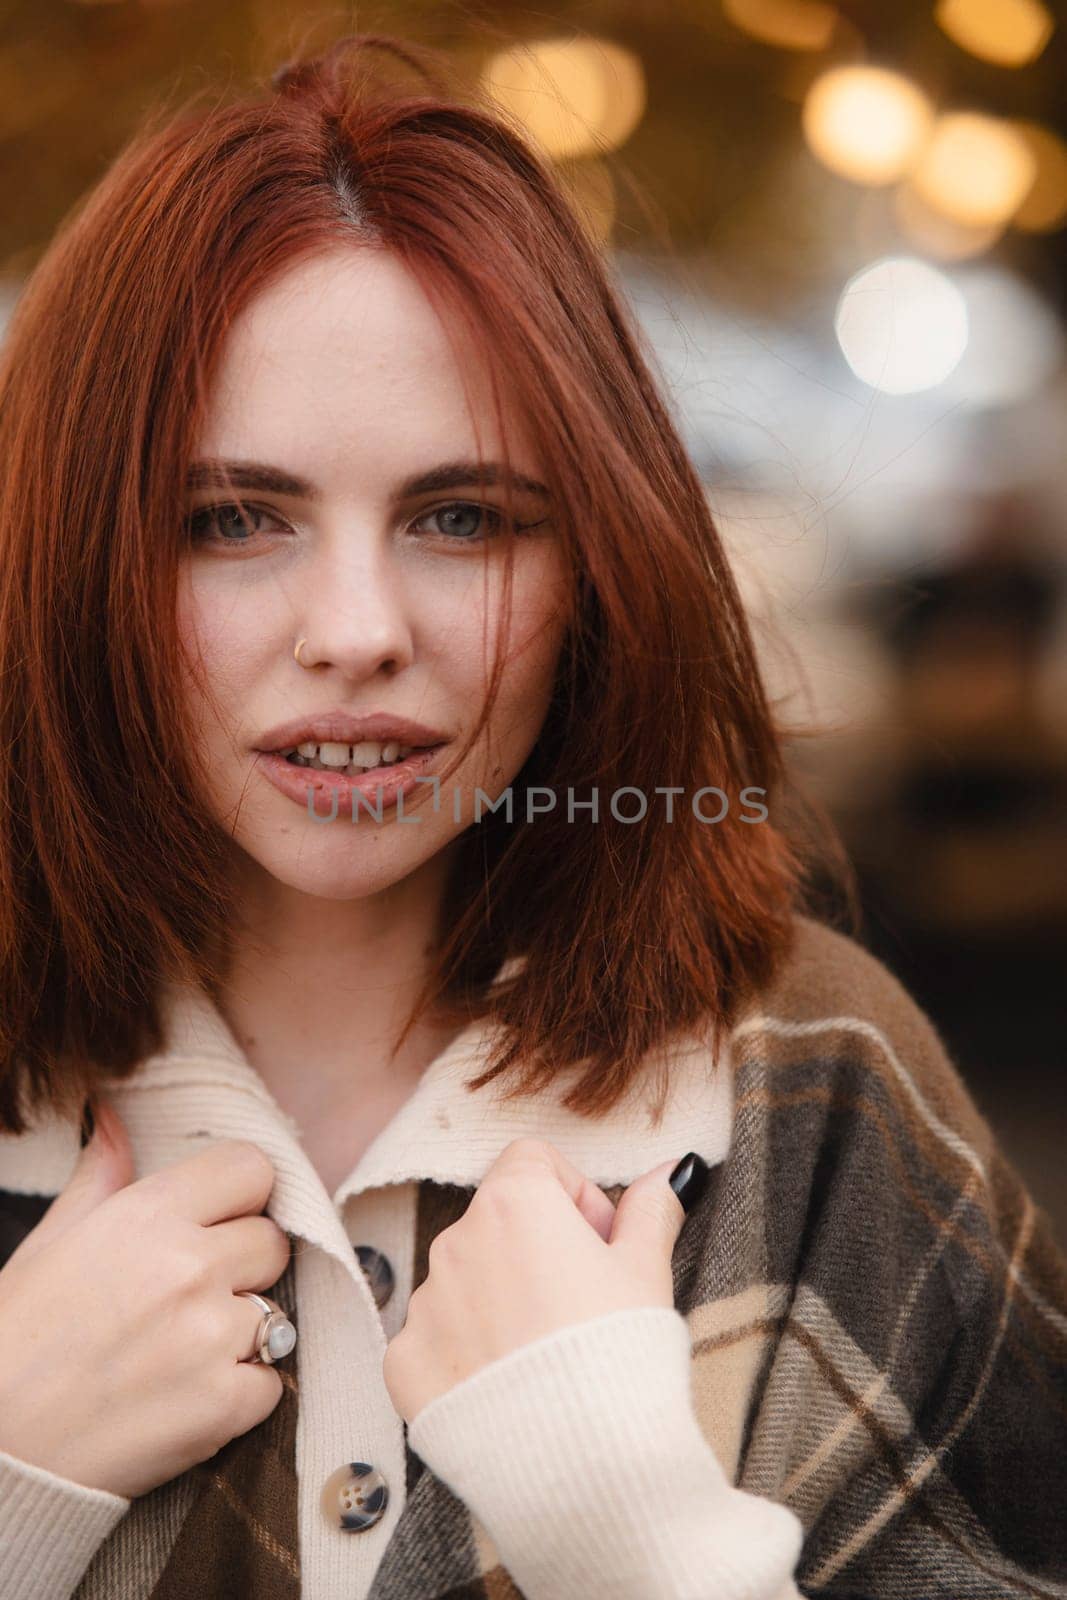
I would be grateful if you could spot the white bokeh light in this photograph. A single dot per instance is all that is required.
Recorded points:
(902, 325)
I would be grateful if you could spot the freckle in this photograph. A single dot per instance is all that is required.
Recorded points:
(443, 1119)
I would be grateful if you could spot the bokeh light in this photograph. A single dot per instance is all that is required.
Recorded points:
(789, 24)
(976, 169)
(902, 325)
(573, 96)
(867, 123)
(1010, 33)
(1045, 207)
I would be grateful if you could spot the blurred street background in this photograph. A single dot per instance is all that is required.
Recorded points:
(843, 227)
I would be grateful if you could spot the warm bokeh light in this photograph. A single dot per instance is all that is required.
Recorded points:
(1007, 32)
(790, 24)
(866, 123)
(902, 325)
(975, 169)
(1045, 207)
(573, 96)
(938, 235)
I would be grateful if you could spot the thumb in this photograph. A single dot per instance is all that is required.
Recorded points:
(104, 1165)
(651, 1212)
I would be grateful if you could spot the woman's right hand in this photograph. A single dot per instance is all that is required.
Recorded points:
(124, 1343)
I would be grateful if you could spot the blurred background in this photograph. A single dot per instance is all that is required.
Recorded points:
(843, 228)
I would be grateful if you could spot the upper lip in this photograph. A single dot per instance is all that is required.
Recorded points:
(341, 727)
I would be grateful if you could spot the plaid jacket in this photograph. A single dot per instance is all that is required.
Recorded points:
(878, 1318)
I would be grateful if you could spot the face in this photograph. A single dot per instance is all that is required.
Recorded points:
(341, 380)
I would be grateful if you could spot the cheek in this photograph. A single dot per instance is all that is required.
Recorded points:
(537, 623)
(531, 653)
(462, 626)
(204, 639)
(223, 648)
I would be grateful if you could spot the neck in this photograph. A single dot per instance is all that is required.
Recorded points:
(318, 989)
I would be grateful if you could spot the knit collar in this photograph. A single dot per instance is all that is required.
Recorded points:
(201, 1085)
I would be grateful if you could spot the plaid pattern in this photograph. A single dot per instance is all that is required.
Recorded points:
(225, 1528)
(878, 1317)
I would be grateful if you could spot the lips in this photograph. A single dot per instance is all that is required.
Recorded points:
(382, 785)
(344, 727)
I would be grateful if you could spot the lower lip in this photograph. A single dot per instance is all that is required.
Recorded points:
(393, 781)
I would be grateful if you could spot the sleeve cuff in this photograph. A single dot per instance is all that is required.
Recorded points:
(50, 1529)
(582, 1456)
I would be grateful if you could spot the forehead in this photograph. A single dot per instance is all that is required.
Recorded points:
(344, 360)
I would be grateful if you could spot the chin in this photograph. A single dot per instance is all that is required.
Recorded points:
(349, 870)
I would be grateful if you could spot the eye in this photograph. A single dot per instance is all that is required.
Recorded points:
(237, 524)
(464, 521)
(213, 524)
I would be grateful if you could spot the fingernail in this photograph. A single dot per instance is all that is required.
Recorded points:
(88, 1126)
(689, 1179)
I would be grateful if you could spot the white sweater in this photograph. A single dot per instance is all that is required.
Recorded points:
(531, 1443)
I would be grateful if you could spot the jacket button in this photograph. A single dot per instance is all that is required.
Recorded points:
(354, 1497)
(379, 1272)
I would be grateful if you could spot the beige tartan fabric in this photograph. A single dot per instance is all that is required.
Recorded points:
(878, 1317)
(224, 1529)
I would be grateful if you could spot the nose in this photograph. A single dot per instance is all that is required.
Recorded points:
(352, 610)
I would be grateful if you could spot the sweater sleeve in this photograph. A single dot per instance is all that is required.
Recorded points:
(582, 1456)
(50, 1529)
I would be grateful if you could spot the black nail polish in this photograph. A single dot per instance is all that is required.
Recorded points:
(689, 1179)
(88, 1126)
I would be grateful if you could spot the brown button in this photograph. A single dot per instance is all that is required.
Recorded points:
(354, 1497)
(379, 1272)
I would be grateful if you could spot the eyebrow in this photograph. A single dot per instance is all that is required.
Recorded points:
(216, 474)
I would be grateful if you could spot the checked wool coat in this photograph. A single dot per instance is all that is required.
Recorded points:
(878, 1324)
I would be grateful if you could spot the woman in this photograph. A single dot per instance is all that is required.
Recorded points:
(380, 707)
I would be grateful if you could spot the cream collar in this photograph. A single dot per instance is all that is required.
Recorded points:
(202, 1085)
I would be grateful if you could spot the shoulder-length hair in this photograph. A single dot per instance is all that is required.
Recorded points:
(113, 874)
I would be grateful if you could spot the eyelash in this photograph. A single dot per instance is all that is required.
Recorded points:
(198, 520)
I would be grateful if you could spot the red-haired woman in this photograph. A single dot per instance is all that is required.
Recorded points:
(391, 806)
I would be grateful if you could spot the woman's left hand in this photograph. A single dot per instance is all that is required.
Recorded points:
(538, 1247)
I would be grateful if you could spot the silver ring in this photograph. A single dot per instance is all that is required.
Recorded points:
(276, 1335)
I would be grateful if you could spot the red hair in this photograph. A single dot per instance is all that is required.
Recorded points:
(113, 874)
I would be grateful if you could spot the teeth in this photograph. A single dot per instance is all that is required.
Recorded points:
(334, 755)
(366, 755)
(352, 759)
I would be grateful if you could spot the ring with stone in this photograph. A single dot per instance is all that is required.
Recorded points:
(276, 1335)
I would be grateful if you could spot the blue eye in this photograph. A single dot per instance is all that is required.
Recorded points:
(207, 521)
(462, 522)
(463, 519)
(469, 514)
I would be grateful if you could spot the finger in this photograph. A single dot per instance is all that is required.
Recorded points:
(247, 1321)
(256, 1389)
(232, 1178)
(250, 1252)
(539, 1156)
(649, 1215)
